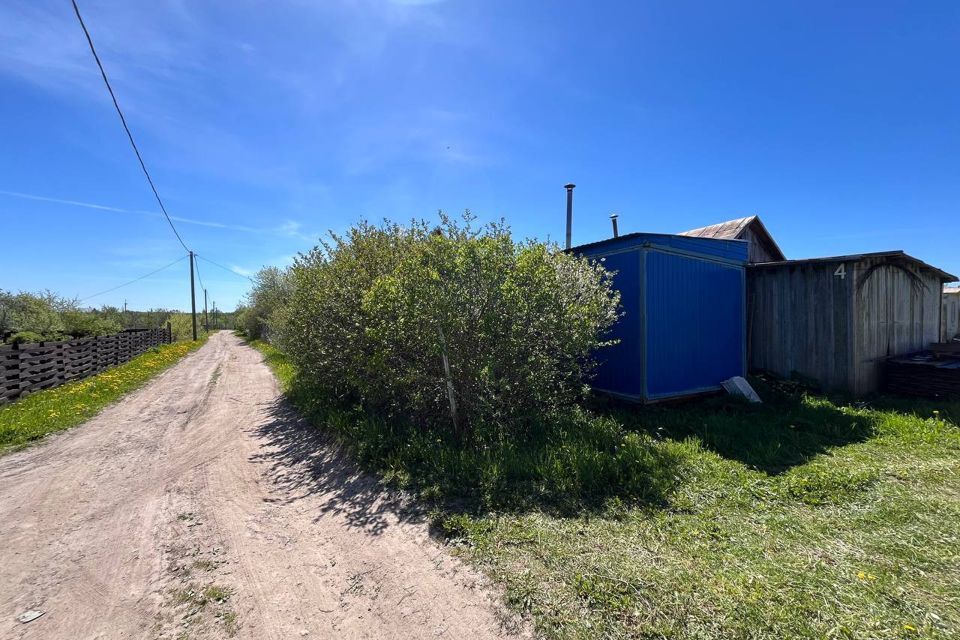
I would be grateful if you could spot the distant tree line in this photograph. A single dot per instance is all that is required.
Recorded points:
(46, 316)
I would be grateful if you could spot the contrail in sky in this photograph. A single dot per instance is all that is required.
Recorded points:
(284, 230)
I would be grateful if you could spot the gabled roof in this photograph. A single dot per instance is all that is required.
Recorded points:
(735, 250)
(729, 229)
(940, 273)
(733, 230)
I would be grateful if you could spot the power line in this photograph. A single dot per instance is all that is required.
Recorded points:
(123, 120)
(226, 268)
(181, 258)
(146, 173)
(197, 267)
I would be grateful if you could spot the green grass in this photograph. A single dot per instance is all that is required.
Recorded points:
(45, 412)
(198, 596)
(809, 516)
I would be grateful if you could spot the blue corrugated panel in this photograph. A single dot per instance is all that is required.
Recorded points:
(683, 329)
(695, 324)
(619, 370)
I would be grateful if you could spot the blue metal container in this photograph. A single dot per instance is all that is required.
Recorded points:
(683, 331)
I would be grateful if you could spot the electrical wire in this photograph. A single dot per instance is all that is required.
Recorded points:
(143, 167)
(180, 259)
(225, 268)
(123, 120)
(196, 265)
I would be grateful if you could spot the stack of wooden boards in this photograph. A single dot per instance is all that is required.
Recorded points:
(932, 374)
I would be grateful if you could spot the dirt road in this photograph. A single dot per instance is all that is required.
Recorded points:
(200, 507)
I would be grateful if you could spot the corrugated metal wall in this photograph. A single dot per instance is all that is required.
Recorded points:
(620, 370)
(683, 330)
(695, 324)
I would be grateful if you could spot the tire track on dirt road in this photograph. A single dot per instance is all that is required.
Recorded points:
(200, 506)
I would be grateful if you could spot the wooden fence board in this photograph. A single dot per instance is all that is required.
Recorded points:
(27, 368)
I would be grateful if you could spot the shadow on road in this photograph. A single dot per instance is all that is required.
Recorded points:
(304, 462)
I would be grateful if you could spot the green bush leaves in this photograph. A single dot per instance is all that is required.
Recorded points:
(454, 328)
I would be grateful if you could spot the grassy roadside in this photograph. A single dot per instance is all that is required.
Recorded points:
(45, 412)
(809, 516)
(861, 541)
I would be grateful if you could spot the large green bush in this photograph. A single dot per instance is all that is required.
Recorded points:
(38, 313)
(81, 324)
(457, 328)
(266, 300)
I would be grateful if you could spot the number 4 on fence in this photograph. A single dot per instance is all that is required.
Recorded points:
(841, 271)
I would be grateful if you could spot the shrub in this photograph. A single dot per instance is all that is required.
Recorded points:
(36, 313)
(25, 337)
(81, 324)
(181, 326)
(49, 317)
(240, 316)
(324, 329)
(265, 303)
(458, 329)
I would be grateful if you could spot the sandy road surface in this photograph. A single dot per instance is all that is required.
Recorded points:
(199, 507)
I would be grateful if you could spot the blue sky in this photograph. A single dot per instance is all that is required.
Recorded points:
(266, 124)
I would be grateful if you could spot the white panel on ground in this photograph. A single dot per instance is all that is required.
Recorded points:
(737, 386)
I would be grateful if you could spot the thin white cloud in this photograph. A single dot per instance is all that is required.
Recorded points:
(76, 203)
(247, 273)
(288, 229)
(47, 48)
(281, 261)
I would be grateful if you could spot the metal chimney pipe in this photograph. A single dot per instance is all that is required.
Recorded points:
(569, 188)
(613, 219)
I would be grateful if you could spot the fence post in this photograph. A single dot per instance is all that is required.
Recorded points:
(24, 386)
(16, 348)
(61, 355)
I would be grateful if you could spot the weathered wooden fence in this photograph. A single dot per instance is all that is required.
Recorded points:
(26, 368)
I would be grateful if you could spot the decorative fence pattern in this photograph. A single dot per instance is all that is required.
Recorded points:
(26, 368)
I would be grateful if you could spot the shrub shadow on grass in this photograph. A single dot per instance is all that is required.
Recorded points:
(787, 430)
(583, 465)
(303, 461)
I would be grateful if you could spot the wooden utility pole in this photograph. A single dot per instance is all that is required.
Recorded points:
(206, 320)
(193, 299)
